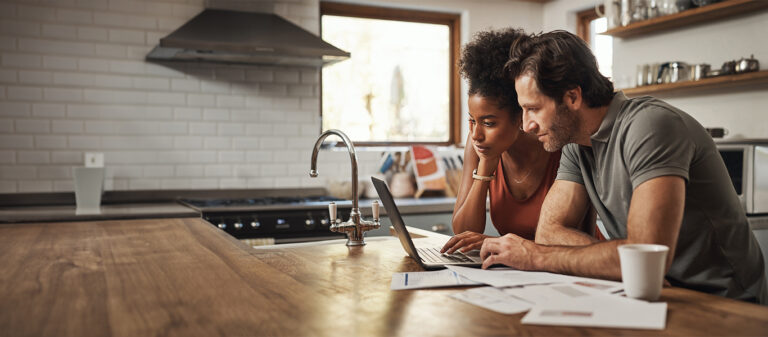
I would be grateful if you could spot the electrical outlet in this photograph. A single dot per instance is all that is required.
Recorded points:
(94, 159)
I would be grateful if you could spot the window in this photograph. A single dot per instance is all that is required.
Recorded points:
(400, 85)
(589, 28)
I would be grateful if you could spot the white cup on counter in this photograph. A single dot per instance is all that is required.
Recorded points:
(642, 270)
(89, 185)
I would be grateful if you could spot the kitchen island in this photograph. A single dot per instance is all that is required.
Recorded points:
(184, 277)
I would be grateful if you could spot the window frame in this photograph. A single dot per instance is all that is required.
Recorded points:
(583, 20)
(452, 20)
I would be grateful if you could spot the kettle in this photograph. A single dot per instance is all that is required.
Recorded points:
(746, 65)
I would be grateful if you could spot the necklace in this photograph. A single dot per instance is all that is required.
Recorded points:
(522, 180)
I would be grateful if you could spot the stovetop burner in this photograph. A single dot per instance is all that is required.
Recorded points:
(266, 201)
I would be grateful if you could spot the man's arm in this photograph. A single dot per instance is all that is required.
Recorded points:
(562, 213)
(655, 216)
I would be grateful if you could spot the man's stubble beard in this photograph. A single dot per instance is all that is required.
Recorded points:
(563, 130)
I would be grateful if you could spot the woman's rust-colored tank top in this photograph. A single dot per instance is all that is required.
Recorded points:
(520, 217)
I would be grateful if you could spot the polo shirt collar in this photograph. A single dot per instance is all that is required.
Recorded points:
(603, 133)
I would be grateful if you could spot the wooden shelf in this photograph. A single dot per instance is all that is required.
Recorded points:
(692, 16)
(760, 77)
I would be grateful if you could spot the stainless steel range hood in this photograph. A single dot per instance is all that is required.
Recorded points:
(243, 37)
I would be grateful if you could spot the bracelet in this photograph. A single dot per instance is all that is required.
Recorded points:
(482, 178)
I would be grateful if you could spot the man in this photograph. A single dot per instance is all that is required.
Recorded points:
(650, 170)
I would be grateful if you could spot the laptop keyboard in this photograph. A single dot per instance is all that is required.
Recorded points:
(433, 255)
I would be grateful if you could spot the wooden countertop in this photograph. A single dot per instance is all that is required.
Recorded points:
(184, 277)
(107, 212)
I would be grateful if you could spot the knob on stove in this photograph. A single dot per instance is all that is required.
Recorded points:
(238, 225)
(255, 224)
(222, 225)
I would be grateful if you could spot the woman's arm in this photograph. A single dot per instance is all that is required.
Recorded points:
(469, 211)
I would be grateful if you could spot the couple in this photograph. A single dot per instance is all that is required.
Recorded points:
(649, 170)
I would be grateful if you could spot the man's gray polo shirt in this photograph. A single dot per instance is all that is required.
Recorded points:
(644, 138)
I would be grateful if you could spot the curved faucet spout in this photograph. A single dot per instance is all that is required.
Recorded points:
(352, 156)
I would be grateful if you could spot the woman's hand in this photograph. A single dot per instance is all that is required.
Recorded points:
(465, 241)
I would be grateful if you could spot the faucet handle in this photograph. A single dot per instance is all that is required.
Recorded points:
(375, 209)
(332, 210)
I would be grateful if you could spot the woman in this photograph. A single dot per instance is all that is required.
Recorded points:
(500, 159)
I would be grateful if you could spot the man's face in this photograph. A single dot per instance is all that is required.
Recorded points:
(554, 125)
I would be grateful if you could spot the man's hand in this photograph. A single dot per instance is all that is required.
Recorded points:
(510, 250)
(466, 240)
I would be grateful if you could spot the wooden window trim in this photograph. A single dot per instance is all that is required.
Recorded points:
(584, 18)
(452, 20)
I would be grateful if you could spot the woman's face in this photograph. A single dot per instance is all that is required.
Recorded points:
(491, 129)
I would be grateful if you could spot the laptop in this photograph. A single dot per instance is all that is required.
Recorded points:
(428, 257)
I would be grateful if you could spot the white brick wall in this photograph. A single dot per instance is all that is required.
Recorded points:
(73, 79)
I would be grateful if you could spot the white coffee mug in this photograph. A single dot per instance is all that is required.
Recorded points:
(642, 270)
(89, 185)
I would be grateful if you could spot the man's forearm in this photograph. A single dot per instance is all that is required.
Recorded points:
(563, 236)
(599, 260)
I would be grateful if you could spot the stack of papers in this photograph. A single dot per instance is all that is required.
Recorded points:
(550, 299)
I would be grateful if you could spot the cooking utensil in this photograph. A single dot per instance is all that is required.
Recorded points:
(700, 71)
(679, 72)
(746, 65)
(729, 67)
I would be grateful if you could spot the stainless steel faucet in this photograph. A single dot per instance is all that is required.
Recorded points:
(355, 227)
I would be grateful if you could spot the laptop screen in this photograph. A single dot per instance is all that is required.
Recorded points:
(394, 216)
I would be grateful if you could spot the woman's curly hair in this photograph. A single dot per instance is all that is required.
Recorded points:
(482, 64)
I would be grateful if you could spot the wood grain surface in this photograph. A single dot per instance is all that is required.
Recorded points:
(184, 277)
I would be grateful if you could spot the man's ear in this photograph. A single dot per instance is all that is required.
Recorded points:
(572, 98)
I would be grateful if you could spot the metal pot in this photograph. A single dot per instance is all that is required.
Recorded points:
(728, 68)
(700, 71)
(679, 72)
(746, 65)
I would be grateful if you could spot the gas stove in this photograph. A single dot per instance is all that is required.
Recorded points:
(272, 219)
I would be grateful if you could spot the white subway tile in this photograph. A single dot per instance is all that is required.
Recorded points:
(230, 101)
(291, 156)
(127, 67)
(111, 50)
(201, 100)
(7, 43)
(202, 128)
(90, 64)
(24, 93)
(169, 24)
(196, 183)
(273, 89)
(88, 111)
(187, 113)
(291, 116)
(231, 156)
(218, 170)
(286, 76)
(115, 184)
(301, 90)
(217, 143)
(287, 102)
(123, 20)
(62, 95)
(35, 77)
(158, 112)
(21, 60)
(48, 110)
(128, 6)
(92, 34)
(229, 74)
(67, 157)
(310, 103)
(8, 10)
(231, 129)
(64, 186)
(14, 109)
(137, 142)
(286, 130)
(56, 47)
(143, 184)
(272, 170)
(244, 89)
(185, 10)
(100, 127)
(36, 126)
(95, 80)
(18, 172)
(8, 186)
(202, 156)
(150, 83)
(33, 157)
(84, 142)
(273, 116)
(183, 84)
(161, 70)
(272, 143)
(7, 75)
(74, 16)
(54, 172)
(256, 129)
(6, 125)
(67, 126)
(127, 36)
(59, 62)
(159, 9)
(287, 182)
(248, 171)
(310, 76)
(114, 96)
(209, 87)
(246, 142)
(312, 130)
(215, 114)
(260, 75)
(50, 142)
(162, 171)
(187, 142)
(19, 28)
(189, 170)
(7, 156)
(167, 98)
(261, 183)
(123, 171)
(35, 186)
(226, 183)
(244, 115)
(59, 31)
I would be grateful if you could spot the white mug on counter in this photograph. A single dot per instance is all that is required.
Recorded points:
(642, 270)
(89, 185)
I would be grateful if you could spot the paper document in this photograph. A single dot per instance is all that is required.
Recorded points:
(608, 311)
(508, 277)
(429, 279)
(493, 299)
